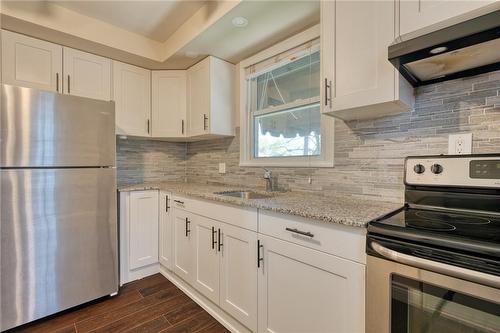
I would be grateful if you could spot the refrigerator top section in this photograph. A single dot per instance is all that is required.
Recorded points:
(46, 129)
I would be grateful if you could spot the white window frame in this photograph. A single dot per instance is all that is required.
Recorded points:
(326, 159)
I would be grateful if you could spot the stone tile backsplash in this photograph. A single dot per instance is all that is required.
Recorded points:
(369, 154)
(139, 161)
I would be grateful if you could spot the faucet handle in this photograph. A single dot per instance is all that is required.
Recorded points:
(267, 174)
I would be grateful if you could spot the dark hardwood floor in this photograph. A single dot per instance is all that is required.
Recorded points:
(152, 304)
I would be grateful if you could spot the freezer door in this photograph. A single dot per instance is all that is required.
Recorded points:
(45, 129)
(58, 240)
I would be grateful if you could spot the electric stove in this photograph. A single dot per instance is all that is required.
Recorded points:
(434, 264)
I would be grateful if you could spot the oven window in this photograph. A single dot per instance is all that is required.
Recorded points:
(418, 307)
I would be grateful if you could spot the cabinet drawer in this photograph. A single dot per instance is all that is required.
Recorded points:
(242, 217)
(343, 241)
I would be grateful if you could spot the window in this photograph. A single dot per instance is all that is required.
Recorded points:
(282, 122)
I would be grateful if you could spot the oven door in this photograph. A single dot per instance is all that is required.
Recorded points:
(403, 298)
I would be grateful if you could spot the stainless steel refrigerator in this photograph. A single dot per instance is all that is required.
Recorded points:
(57, 202)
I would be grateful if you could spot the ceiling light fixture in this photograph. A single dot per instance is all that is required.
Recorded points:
(240, 22)
(437, 50)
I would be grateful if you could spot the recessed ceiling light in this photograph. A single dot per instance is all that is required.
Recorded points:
(240, 21)
(191, 54)
(439, 49)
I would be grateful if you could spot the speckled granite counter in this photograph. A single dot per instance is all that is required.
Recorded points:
(331, 209)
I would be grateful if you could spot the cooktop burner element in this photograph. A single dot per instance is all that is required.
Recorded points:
(452, 218)
(430, 225)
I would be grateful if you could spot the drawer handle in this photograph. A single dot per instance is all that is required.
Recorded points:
(179, 202)
(259, 259)
(188, 230)
(219, 239)
(297, 231)
(213, 238)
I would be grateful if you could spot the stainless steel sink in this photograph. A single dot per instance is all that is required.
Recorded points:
(245, 194)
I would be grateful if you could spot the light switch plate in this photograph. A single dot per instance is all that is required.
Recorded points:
(222, 168)
(460, 144)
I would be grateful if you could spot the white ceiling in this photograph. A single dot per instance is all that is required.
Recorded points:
(156, 20)
(162, 34)
(269, 22)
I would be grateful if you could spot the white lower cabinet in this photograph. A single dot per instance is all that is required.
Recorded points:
(305, 290)
(143, 226)
(166, 230)
(183, 245)
(207, 258)
(238, 275)
(252, 270)
(138, 234)
(217, 259)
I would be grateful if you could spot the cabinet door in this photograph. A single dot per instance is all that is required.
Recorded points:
(168, 113)
(183, 255)
(327, 51)
(206, 257)
(166, 230)
(131, 93)
(143, 229)
(362, 74)
(238, 277)
(415, 15)
(199, 98)
(86, 75)
(304, 290)
(30, 62)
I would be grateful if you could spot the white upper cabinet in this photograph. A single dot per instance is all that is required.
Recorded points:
(86, 75)
(132, 96)
(419, 14)
(168, 102)
(143, 229)
(358, 81)
(30, 62)
(211, 97)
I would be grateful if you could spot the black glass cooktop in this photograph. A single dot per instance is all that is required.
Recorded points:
(477, 233)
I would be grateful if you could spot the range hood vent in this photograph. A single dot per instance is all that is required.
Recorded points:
(468, 48)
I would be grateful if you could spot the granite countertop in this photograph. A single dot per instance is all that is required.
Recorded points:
(329, 209)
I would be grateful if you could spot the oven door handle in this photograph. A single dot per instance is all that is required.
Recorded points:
(435, 266)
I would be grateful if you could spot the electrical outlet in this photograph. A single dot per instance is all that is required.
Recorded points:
(459, 144)
(222, 168)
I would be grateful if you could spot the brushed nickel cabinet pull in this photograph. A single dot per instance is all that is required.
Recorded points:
(213, 238)
(187, 227)
(219, 239)
(179, 202)
(328, 92)
(57, 82)
(297, 231)
(148, 125)
(205, 122)
(259, 259)
(69, 85)
(182, 126)
(167, 207)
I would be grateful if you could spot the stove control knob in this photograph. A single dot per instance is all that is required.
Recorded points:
(419, 168)
(436, 169)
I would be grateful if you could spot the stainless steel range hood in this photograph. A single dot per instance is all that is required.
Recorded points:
(463, 49)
